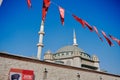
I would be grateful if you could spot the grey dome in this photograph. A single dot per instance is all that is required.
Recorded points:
(69, 48)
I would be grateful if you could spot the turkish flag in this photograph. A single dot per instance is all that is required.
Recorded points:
(107, 39)
(46, 4)
(61, 10)
(82, 22)
(115, 39)
(96, 30)
(89, 27)
(29, 3)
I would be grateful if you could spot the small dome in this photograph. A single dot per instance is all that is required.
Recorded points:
(48, 55)
(69, 48)
(48, 52)
(95, 58)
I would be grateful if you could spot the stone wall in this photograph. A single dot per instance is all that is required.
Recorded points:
(54, 71)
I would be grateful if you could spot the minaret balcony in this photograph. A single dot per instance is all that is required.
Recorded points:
(41, 32)
(40, 44)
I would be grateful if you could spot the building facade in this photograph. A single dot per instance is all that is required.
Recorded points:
(73, 56)
(43, 70)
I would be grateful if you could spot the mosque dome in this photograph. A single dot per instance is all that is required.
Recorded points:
(71, 51)
(69, 48)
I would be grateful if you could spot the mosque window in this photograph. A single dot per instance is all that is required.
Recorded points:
(87, 55)
(58, 54)
(67, 53)
(84, 54)
(59, 62)
(71, 53)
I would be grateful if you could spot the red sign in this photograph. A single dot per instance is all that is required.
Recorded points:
(20, 74)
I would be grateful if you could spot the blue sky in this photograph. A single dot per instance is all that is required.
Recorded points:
(19, 28)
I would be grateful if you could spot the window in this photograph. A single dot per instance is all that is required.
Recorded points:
(58, 54)
(62, 54)
(84, 54)
(54, 55)
(71, 53)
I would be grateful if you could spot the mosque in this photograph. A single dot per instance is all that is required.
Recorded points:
(73, 56)
(67, 63)
(69, 55)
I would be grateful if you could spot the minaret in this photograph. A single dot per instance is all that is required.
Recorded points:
(40, 44)
(74, 39)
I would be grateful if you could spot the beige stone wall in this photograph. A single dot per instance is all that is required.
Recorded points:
(55, 71)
